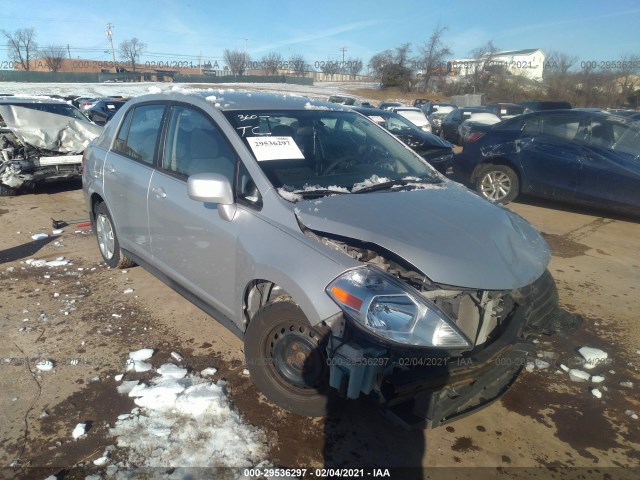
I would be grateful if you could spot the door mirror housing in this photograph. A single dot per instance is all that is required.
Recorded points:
(213, 188)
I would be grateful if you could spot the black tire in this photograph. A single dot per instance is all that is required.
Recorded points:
(287, 359)
(108, 240)
(498, 183)
(6, 191)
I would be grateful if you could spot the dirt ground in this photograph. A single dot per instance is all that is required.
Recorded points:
(79, 316)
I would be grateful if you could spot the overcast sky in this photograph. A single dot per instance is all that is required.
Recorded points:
(182, 30)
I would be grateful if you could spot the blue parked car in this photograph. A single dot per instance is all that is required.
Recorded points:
(577, 156)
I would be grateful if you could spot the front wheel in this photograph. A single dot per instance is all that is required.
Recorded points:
(108, 240)
(287, 359)
(498, 183)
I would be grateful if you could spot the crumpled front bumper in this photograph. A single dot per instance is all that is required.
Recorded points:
(429, 397)
(425, 390)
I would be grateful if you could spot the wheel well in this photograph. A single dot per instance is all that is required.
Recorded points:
(495, 161)
(257, 294)
(95, 199)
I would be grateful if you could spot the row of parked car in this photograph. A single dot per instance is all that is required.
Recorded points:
(588, 156)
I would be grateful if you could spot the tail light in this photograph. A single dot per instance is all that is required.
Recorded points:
(473, 136)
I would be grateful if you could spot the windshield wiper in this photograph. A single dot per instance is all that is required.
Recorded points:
(318, 192)
(400, 182)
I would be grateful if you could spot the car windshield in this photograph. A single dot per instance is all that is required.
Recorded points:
(322, 152)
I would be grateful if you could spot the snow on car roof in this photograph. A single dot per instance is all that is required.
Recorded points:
(246, 100)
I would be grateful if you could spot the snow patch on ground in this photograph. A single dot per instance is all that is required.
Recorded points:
(593, 357)
(185, 421)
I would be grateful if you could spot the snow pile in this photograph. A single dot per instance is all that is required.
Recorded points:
(185, 421)
(289, 196)
(79, 431)
(58, 262)
(593, 357)
(369, 182)
(136, 361)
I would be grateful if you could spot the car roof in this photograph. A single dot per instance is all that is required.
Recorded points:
(32, 99)
(229, 100)
(505, 104)
(374, 111)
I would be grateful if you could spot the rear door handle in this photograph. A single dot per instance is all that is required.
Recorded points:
(159, 192)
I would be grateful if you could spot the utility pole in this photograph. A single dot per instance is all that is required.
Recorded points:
(343, 49)
(246, 67)
(109, 33)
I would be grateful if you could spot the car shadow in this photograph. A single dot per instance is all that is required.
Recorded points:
(358, 436)
(23, 251)
(574, 208)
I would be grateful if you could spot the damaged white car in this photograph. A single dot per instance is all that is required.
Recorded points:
(41, 140)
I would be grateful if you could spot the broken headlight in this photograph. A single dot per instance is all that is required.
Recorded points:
(392, 311)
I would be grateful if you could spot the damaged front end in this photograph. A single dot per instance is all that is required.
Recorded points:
(38, 146)
(427, 353)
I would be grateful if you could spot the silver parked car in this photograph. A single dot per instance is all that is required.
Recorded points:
(342, 259)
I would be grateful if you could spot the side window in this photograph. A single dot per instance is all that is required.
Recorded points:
(603, 133)
(195, 145)
(531, 128)
(565, 127)
(139, 133)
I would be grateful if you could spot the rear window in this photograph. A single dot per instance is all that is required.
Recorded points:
(139, 133)
(57, 108)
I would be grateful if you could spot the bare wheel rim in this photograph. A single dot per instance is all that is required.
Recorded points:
(104, 232)
(296, 361)
(495, 185)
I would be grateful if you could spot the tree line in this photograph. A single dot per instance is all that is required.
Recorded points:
(605, 84)
(583, 83)
(23, 49)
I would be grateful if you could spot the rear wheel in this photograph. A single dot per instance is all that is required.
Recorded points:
(498, 183)
(108, 240)
(287, 359)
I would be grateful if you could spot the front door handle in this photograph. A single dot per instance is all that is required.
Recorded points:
(159, 192)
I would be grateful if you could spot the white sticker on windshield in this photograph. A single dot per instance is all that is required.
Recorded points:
(274, 148)
(376, 118)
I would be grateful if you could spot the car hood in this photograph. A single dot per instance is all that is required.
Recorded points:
(448, 233)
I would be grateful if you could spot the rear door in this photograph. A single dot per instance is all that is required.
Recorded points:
(128, 170)
(550, 150)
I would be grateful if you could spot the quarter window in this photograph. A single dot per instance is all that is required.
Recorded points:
(138, 135)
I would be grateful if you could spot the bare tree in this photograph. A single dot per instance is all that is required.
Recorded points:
(131, 50)
(402, 54)
(627, 78)
(237, 61)
(22, 46)
(298, 65)
(379, 61)
(484, 66)
(559, 62)
(434, 54)
(53, 57)
(353, 66)
(330, 67)
(271, 63)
